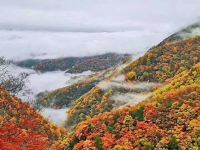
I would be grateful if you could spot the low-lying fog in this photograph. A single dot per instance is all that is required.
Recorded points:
(39, 82)
(58, 116)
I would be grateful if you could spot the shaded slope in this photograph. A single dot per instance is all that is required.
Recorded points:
(64, 97)
(76, 64)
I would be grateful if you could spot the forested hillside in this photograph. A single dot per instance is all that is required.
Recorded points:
(137, 80)
(165, 61)
(166, 121)
(22, 127)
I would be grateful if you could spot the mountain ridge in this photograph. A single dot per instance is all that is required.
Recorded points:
(75, 64)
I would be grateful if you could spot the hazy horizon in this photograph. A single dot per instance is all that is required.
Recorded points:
(51, 29)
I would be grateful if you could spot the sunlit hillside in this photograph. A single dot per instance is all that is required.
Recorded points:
(135, 82)
(165, 61)
(167, 121)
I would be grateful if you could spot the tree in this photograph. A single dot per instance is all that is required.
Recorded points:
(131, 76)
(14, 84)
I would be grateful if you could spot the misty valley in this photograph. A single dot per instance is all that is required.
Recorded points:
(99, 75)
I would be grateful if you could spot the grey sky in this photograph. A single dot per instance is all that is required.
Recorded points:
(82, 27)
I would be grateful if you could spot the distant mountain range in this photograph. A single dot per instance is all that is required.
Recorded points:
(76, 64)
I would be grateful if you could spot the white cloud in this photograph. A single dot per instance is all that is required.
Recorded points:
(53, 28)
(48, 81)
(57, 116)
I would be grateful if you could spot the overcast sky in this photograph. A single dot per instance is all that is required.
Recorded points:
(56, 28)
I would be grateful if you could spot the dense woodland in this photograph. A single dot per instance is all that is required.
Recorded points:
(22, 128)
(165, 61)
(168, 120)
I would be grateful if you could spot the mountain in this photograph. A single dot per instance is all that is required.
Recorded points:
(76, 64)
(165, 61)
(163, 74)
(128, 84)
(168, 121)
(136, 81)
(186, 33)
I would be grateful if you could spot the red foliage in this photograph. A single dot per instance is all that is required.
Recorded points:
(108, 140)
(150, 113)
(22, 128)
(13, 137)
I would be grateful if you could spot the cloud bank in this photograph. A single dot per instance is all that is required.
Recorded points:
(52, 28)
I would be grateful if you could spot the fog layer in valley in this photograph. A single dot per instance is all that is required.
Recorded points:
(39, 82)
(55, 115)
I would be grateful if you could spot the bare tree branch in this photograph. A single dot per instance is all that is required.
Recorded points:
(14, 84)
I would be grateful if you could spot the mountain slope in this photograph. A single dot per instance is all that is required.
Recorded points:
(22, 128)
(64, 97)
(167, 121)
(186, 33)
(146, 74)
(184, 78)
(165, 61)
